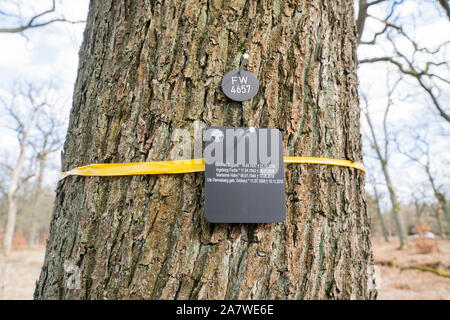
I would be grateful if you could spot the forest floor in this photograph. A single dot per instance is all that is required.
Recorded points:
(399, 283)
(394, 283)
(22, 271)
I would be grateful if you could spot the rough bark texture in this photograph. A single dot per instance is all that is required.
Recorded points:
(147, 68)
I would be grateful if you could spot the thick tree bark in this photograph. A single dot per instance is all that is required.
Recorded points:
(147, 68)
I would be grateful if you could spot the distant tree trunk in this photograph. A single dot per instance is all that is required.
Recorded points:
(437, 212)
(419, 206)
(380, 215)
(395, 210)
(12, 197)
(444, 209)
(13, 191)
(22, 131)
(384, 167)
(441, 199)
(147, 68)
(33, 239)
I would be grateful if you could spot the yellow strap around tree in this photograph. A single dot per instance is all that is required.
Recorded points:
(326, 161)
(184, 166)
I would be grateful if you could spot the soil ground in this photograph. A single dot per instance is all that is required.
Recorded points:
(398, 284)
(22, 271)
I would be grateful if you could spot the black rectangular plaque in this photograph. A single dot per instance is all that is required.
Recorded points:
(244, 184)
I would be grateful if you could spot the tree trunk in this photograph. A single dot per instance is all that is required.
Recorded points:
(147, 68)
(34, 237)
(443, 204)
(403, 237)
(441, 199)
(380, 215)
(392, 195)
(12, 199)
(13, 191)
(438, 222)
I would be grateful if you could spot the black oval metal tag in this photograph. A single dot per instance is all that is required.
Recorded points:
(240, 85)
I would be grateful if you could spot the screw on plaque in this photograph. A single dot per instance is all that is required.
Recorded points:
(244, 62)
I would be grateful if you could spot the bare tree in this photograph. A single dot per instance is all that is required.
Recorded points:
(22, 127)
(38, 133)
(437, 213)
(420, 154)
(363, 14)
(40, 19)
(419, 206)
(428, 67)
(382, 154)
(48, 140)
(376, 201)
(380, 215)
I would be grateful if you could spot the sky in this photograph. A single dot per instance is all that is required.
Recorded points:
(49, 56)
(411, 113)
(46, 56)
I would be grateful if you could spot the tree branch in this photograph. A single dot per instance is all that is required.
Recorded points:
(33, 24)
(445, 6)
(417, 75)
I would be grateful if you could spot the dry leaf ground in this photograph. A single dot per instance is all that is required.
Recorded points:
(411, 284)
